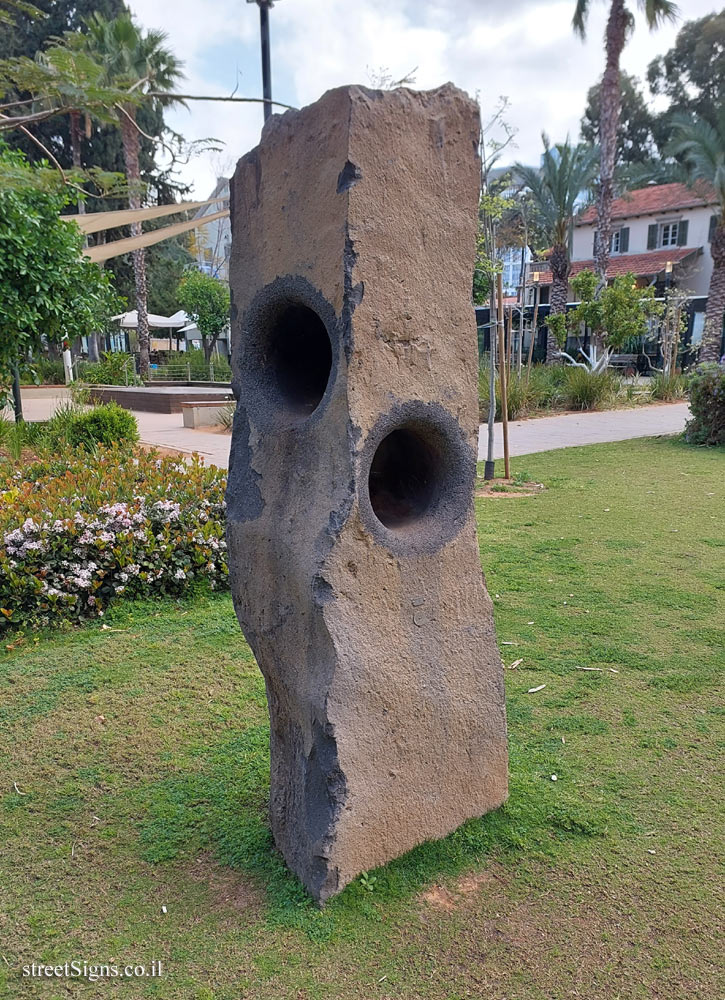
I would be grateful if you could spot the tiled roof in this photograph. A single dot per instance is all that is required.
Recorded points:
(654, 200)
(642, 264)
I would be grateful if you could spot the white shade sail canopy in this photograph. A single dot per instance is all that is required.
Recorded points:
(129, 320)
(104, 251)
(95, 222)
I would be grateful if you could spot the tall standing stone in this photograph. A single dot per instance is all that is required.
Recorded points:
(353, 554)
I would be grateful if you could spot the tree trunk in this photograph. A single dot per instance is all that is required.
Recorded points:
(208, 344)
(17, 398)
(75, 145)
(610, 106)
(131, 143)
(712, 334)
(559, 261)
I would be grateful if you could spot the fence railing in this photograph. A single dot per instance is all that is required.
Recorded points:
(180, 371)
(126, 374)
(175, 371)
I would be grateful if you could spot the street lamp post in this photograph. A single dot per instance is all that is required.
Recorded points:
(264, 8)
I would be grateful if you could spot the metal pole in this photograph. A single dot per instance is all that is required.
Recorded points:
(264, 6)
(488, 468)
(534, 331)
(502, 376)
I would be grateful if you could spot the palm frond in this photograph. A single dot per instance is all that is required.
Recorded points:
(567, 171)
(702, 146)
(579, 20)
(656, 12)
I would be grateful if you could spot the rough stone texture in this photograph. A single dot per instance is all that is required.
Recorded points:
(358, 582)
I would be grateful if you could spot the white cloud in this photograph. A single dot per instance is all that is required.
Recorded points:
(524, 49)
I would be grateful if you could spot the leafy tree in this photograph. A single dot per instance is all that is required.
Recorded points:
(702, 146)
(692, 73)
(490, 211)
(165, 266)
(632, 176)
(566, 172)
(206, 302)
(635, 140)
(36, 65)
(138, 60)
(49, 292)
(30, 34)
(11, 9)
(521, 223)
(619, 315)
(619, 23)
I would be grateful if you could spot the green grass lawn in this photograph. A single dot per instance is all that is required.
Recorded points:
(133, 777)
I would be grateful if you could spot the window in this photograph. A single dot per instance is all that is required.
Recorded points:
(619, 241)
(668, 234)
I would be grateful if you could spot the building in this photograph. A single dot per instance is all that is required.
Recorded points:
(211, 244)
(651, 228)
(661, 234)
(513, 262)
(657, 231)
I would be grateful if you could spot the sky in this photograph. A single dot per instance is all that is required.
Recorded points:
(523, 50)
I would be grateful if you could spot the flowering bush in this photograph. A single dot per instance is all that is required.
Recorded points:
(706, 389)
(76, 532)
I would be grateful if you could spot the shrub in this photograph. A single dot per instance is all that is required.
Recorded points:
(226, 415)
(114, 368)
(584, 390)
(75, 533)
(706, 390)
(668, 387)
(106, 424)
(199, 366)
(15, 437)
(541, 390)
(42, 371)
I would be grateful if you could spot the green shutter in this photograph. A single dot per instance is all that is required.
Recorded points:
(624, 239)
(713, 227)
(652, 236)
(682, 233)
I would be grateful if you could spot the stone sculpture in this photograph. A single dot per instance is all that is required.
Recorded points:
(353, 555)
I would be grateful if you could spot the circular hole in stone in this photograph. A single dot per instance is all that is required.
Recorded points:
(405, 478)
(300, 356)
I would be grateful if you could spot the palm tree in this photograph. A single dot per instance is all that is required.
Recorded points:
(702, 147)
(566, 171)
(142, 64)
(619, 24)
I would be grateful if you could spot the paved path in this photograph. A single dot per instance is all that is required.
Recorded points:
(566, 429)
(167, 431)
(526, 436)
